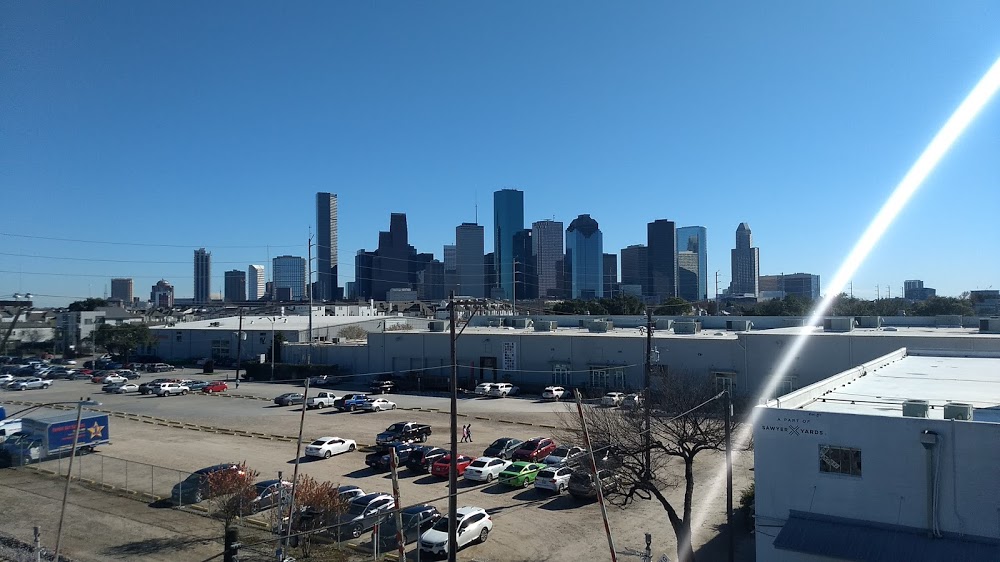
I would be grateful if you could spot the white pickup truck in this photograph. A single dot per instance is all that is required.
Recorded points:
(321, 400)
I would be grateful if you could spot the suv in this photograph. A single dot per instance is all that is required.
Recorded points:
(503, 389)
(473, 525)
(534, 450)
(581, 483)
(383, 387)
(195, 488)
(350, 402)
(172, 388)
(151, 386)
(363, 513)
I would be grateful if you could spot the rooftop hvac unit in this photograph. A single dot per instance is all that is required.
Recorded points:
(738, 325)
(584, 324)
(958, 411)
(870, 321)
(915, 408)
(687, 327)
(838, 324)
(600, 326)
(494, 323)
(664, 323)
(436, 325)
(948, 321)
(546, 326)
(989, 325)
(520, 322)
(215, 324)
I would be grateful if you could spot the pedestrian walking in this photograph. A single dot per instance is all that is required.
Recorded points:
(468, 432)
(237, 383)
(465, 433)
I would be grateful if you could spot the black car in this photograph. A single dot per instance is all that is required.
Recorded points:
(270, 493)
(383, 387)
(379, 460)
(502, 448)
(581, 483)
(422, 457)
(289, 399)
(416, 520)
(195, 488)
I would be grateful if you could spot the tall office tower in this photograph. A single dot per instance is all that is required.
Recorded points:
(661, 241)
(202, 276)
(469, 268)
(450, 268)
(687, 275)
(430, 282)
(695, 239)
(326, 247)
(392, 263)
(121, 289)
(289, 278)
(547, 251)
(162, 294)
(508, 220)
(746, 264)
(255, 282)
(635, 269)
(585, 258)
(235, 286)
(525, 279)
(363, 272)
(610, 275)
(491, 289)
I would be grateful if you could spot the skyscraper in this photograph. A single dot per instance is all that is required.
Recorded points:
(585, 258)
(255, 282)
(687, 275)
(289, 278)
(162, 294)
(635, 268)
(121, 289)
(508, 220)
(202, 276)
(661, 239)
(392, 262)
(235, 286)
(326, 247)
(469, 268)
(547, 253)
(610, 277)
(450, 268)
(695, 239)
(746, 264)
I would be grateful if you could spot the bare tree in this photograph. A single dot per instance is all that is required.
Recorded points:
(231, 493)
(686, 419)
(321, 508)
(353, 332)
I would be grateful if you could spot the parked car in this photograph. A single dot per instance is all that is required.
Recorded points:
(289, 399)
(172, 388)
(442, 466)
(196, 386)
(269, 494)
(632, 401)
(483, 389)
(581, 483)
(348, 493)
(350, 402)
(30, 383)
(534, 450)
(321, 400)
(363, 512)
(503, 390)
(521, 474)
(554, 479)
(564, 454)
(4, 379)
(613, 399)
(378, 404)
(326, 447)
(502, 448)
(379, 460)
(194, 488)
(404, 431)
(215, 386)
(129, 374)
(423, 457)
(83, 374)
(151, 386)
(553, 392)
(416, 519)
(126, 387)
(111, 387)
(485, 469)
(472, 524)
(113, 378)
(383, 387)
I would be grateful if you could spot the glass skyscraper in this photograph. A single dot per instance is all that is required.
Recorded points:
(585, 258)
(695, 239)
(547, 252)
(289, 277)
(470, 270)
(202, 276)
(508, 221)
(326, 247)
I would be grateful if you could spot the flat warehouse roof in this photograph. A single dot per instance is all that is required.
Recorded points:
(282, 323)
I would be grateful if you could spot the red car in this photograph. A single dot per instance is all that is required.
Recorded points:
(534, 450)
(441, 466)
(217, 386)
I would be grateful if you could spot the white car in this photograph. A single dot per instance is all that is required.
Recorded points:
(4, 379)
(632, 401)
(127, 387)
(473, 524)
(613, 399)
(485, 469)
(503, 389)
(554, 478)
(553, 392)
(563, 454)
(114, 379)
(378, 404)
(483, 389)
(171, 388)
(326, 447)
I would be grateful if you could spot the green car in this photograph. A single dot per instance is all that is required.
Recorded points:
(521, 474)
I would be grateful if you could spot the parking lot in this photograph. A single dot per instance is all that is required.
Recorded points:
(529, 525)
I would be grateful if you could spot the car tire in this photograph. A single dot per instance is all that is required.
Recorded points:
(352, 448)
(356, 531)
(184, 393)
(484, 534)
(327, 455)
(393, 407)
(376, 409)
(560, 488)
(489, 478)
(353, 407)
(525, 483)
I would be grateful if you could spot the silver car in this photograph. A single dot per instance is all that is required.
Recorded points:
(554, 479)
(29, 383)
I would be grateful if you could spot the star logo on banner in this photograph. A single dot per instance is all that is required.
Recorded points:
(95, 430)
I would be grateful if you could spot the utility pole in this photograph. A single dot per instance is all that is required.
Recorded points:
(597, 481)
(718, 312)
(309, 262)
(239, 346)
(647, 395)
(400, 538)
(727, 403)
(298, 455)
(453, 469)
(38, 544)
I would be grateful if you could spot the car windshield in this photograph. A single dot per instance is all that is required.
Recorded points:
(560, 452)
(319, 442)
(396, 427)
(357, 508)
(499, 444)
(441, 525)
(478, 464)
(547, 474)
(530, 445)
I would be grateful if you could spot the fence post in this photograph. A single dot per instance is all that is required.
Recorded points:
(126, 476)
(180, 490)
(58, 465)
(102, 471)
(151, 480)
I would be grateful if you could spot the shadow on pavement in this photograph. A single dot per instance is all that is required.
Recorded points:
(429, 479)
(497, 489)
(304, 459)
(717, 548)
(560, 503)
(153, 546)
(161, 504)
(359, 473)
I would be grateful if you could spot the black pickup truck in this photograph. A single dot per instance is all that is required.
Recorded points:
(379, 460)
(404, 432)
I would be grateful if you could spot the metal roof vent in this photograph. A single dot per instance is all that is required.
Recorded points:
(958, 411)
(546, 326)
(838, 324)
(989, 325)
(687, 327)
(738, 325)
(600, 326)
(915, 408)
(436, 325)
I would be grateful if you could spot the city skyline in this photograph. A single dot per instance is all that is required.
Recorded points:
(824, 125)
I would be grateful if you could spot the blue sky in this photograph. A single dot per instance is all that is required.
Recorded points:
(164, 127)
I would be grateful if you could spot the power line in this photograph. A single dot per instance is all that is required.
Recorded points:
(143, 244)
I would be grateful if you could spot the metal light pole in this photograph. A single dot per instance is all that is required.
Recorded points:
(453, 469)
(274, 344)
(647, 382)
(69, 471)
(239, 345)
(727, 403)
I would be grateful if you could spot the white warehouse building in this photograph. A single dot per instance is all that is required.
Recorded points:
(895, 460)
